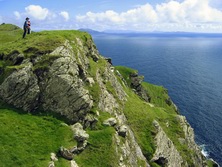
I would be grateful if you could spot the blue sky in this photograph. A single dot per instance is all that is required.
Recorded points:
(133, 15)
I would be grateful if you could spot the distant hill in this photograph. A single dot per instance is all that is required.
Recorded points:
(90, 31)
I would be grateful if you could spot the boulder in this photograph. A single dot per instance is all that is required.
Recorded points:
(90, 121)
(79, 134)
(90, 80)
(53, 157)
(73, 164)
(122, 130)
(110, 122)
(51, 164)
(65, 153)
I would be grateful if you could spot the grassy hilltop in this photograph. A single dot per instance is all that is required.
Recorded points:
(27, 139)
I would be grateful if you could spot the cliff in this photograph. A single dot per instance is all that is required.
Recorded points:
(114, 118)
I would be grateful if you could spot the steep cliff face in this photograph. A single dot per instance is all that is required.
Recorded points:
(71, 80)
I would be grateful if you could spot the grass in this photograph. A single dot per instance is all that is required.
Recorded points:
(28, 140)
(101, 150)
(37, 43)
(9, 33)
(125, 72)
(159, 95)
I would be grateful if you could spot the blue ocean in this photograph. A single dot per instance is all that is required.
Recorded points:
(188, 66)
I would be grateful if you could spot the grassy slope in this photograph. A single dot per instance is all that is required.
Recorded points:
(28, 140)
(37, 42)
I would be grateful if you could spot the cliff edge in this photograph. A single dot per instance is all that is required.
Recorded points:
(115, 118)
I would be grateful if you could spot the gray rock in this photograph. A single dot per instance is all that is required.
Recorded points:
(53, 157)
(90, 80)
(136, 85)
(110, 122)
(65, 153)
(73, 164)
(74, 150)
(166, 153)
(107, 101)
(51, 164)
(79, 134)
(63, 89)
(21, 89)
(128, 151)
(198, 159)
(90, 121)
(122, 130)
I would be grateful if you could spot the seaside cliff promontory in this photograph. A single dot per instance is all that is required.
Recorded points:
(63, 104)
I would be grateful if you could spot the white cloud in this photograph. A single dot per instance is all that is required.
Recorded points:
(37, 12)
(172, 15)
(17, 15)
(42, 18)
(65, 15)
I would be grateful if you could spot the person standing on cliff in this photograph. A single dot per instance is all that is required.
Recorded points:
(26, 27)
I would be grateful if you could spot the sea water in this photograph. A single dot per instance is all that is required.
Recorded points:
(190, 67)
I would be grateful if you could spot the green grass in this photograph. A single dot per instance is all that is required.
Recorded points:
(9, 33)
(125, 72)
(100, 151)
(37, 43)
(28, 140)
(159, 95)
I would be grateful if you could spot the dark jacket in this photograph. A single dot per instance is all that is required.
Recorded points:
(27, 24)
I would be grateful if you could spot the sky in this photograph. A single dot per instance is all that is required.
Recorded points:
(113, 15)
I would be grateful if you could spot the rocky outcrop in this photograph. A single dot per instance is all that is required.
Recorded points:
(166, 153)
(197, 157)
(129, 152)
(80, 136)
(59, 88)
(110, 122)
(21, 89)
(64, 90)
(136, 81)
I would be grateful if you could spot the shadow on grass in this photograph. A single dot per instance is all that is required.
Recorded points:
(38, 112)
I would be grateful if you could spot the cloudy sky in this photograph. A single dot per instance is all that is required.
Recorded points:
(133, 15)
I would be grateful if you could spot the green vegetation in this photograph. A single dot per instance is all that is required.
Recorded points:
(9, 33)
(159, 96)
(140, 116)
(101, 149)
(34, 45)
(38, 43)
(125, 72)
(28, 140)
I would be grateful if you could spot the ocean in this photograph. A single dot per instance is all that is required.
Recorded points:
(189, 66)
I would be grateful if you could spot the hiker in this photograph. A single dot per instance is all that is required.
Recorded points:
(26, 27)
